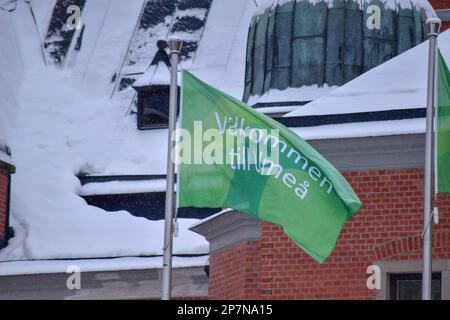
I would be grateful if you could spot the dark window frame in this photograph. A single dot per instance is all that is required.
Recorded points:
(156, 115)
(395, 278)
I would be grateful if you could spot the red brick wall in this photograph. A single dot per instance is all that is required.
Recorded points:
(4, 182)
(445, 26)
(442, 4)
(235, 272)
(389, 226)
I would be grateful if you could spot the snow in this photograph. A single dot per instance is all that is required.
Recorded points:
(220, 58)
(400, 83)
(406, 4)
(263, 5)
(5, 157)
(155, 75)
(272, 110)
(60, 123)
(304, 93)
(92, 265)
(202, 221)
(7, 5)
(11, 66)
(122, 187)
(109, 28)
(66, 124)
(433, 20)
(197, 13)
(42, 10)
(143, 44)
(362, 129)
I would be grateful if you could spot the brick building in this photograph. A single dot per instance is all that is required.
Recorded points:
(251, 259)
(442, 8)
(6, 169)
(256, 260)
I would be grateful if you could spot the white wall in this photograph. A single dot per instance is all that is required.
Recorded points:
(11, 69)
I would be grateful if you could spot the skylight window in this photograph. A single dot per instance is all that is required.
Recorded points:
(153, 107)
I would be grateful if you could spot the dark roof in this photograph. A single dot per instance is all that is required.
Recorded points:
(320, 120)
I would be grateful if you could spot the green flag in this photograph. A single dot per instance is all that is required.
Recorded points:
(235, 157)
(443, 127)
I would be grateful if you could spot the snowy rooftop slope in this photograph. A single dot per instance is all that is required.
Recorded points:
(67, 124)
(92, 265)
(4, 156)
(362, 129)
(109, 28)
(400, 83)
(303, 94)
(122, 187)
(159, 19)
(11, 67)
(158, 74)
(220, 58)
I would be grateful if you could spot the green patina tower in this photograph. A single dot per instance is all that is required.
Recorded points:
(295, 43)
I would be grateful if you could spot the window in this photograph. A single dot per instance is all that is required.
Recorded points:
(153, 107)
(408, 286)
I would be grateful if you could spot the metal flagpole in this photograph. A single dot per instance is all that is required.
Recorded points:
(433, 25)
(175, 45)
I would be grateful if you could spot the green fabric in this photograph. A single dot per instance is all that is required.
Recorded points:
(307, 196)
(443, 127)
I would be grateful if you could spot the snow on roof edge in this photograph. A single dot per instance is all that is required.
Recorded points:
(196, 224)
(362, 129)
(11, 268)
(388, 4)
(122, 187)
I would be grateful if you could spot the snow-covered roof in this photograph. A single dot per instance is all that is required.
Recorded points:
(68, 123)
(122, 187)
(220, 58)
(157, 74)
(5, 153)
(400, 83)
(292, 95)
(92, 265)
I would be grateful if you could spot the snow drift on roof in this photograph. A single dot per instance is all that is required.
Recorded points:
(11, 68)
(220, 58)
(157, 74)
(67, 123)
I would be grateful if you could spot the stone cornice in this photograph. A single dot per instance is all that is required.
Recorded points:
(228, 228)
(382, 152)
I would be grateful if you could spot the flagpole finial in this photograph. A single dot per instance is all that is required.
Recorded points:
(433, 26)
(175, 44)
